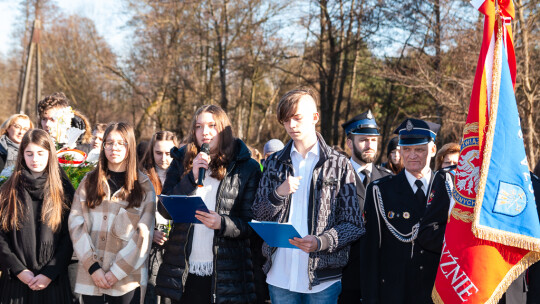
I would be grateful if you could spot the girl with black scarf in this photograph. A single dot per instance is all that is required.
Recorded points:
(35, 247)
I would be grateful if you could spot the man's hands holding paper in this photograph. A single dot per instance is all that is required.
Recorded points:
(307, 244)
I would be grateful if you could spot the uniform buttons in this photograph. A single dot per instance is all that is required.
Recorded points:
(421, 251)
(421, 267)
(382, 280)
(103, 239)
(104, 217)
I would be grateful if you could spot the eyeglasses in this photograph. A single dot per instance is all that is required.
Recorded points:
(19, 128)
(110, 144)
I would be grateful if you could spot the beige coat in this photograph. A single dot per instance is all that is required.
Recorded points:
(117, 238)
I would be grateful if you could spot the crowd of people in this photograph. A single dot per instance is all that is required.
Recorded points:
(370, 233)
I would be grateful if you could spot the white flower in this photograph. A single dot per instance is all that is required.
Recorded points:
(60, 123)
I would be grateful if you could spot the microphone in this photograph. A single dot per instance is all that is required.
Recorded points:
(205, 148)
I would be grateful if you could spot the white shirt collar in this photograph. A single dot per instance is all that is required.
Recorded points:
(359, 168)
(425, 180)
(314, 151)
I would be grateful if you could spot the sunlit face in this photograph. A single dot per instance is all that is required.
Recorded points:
(18, 128)
(47, 118)
(363, 147)
(302, 123)
(395, 156)
(115, 148)
(206, 131)
(97, 139)
(36, 158)
(450, 160)
(162, 153)
(416, 158)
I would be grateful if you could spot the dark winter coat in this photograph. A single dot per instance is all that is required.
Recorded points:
(334, 213)
(36, 247)
(393, 268)
(233, 278)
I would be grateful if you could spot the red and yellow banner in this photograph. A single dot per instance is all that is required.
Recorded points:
(482, 254)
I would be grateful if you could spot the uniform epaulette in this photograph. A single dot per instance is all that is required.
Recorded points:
(534, 176)
(383, 169)
(382, 179)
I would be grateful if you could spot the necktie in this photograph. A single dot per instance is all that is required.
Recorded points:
(419, 194)
(367, 178)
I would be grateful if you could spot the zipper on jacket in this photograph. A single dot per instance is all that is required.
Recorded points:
(288, 199)
(332, 182)
(310, 260)
(214, 245)
(186, 269)
(214, 270)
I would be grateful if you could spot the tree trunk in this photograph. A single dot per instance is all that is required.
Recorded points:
(528, 90)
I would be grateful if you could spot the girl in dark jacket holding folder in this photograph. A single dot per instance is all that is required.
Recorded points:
(212, 261)
(35, 248)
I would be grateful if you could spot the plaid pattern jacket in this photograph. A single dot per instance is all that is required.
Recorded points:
(334, 215)
(116, 237)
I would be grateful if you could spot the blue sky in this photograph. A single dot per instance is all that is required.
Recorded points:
(110, 18)
(107, 15)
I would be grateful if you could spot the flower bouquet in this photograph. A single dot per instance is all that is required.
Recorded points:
(65, 137)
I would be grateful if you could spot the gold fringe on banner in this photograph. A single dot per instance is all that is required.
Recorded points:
(494, 103)
(435, 296)
(480, 231)
(507, 238)
(527, 261)
(514, 272)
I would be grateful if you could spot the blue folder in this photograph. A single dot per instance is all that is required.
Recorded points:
(275, 234)
(182, 208)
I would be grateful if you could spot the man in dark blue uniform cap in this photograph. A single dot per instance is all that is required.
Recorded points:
(391, 261)
(363, 141)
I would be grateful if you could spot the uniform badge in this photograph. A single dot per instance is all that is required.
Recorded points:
(409, 126)
(391, 214)
(369, 115)
(406, 215)
(431, 195)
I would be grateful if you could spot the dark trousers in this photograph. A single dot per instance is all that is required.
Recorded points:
(132, 297)
(198, 290)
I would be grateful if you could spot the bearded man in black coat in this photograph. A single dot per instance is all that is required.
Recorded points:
(363, 141)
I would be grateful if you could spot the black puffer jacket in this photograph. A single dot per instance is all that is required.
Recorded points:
(233, 278)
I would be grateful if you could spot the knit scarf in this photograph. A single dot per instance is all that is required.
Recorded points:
(32, 192)
(201, 257)
(34, 186)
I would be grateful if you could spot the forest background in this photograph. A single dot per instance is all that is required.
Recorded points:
(400, 59)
